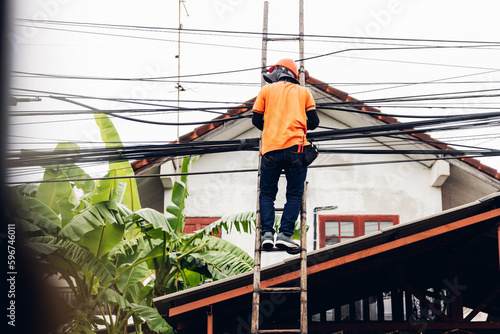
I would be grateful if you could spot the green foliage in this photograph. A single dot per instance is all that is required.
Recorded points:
(111, 137)
(179, 195)
(95, 236)
(243, 222)
(230, 259)
(106, 252)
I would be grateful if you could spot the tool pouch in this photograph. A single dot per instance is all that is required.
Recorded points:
(310, 153)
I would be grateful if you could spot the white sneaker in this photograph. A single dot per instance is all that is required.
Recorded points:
(284, 242)
(267, 240)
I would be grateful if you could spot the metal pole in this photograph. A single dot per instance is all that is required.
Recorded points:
(257, 253)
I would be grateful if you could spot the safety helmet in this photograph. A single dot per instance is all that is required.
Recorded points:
(288, 63)
(284, 68)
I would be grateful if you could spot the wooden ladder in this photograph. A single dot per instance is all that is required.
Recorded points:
(301, 289)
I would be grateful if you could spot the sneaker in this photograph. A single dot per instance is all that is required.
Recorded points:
(267, 240)
(284, 242)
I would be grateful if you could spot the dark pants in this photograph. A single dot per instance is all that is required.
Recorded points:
(272, 164)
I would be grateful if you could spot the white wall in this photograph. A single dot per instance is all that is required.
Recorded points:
(402, 189)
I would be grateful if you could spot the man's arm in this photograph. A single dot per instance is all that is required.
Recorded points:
(312, 119)
(258, 120)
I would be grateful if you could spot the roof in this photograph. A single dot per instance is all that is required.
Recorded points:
(431, 252)
(144, 165)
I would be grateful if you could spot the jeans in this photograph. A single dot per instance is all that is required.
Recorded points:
(272, 164)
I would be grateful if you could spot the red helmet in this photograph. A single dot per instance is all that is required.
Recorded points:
(287, 63)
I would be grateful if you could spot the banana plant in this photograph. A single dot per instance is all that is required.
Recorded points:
(87, 252)
(114, 255)
(181, 260)
(77, 229)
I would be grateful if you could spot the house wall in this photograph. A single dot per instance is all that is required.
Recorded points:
(463, 187)
(402, 189)
(149, 188)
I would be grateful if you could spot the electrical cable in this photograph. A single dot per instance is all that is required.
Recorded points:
(425, 97)
(253, 170)
(144, 38)
(425, 82)
(96, 111)
(374, 113)
(207, 147)
(260, 34)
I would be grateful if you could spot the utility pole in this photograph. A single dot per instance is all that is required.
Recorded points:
(179, 87)
(178, 71)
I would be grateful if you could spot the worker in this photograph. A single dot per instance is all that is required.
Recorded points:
(284, 111)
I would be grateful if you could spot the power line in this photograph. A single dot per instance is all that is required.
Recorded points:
(31, 75)
(425, 82)
(315, 56)
(258, 34)
(247, 170)
(208, 147)
(409, 98)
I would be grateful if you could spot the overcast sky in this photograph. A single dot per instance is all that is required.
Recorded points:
(128, 40)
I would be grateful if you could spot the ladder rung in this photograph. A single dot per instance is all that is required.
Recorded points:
(290, 290)
(283, 39)
(280, 331)
(276, 249)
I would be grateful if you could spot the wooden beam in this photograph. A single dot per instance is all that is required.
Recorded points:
(366, 309)
(420, 296)
(210, 320)
(408, 304)
(397, 305)
(388, 325)
(338, 261)
(210, 300)
(455, 299)
(380, 307)
(483, 304)
(498, 238)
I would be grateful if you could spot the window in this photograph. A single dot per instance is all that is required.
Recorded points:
(334, 228)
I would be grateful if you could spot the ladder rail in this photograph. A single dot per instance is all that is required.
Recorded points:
(257, 258)
(303, 264)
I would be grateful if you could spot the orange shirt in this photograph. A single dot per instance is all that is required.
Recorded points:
(284, 105)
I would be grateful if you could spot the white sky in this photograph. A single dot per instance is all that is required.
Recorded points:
(127, 53)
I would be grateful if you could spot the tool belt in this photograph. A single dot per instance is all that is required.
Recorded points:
(310, 153)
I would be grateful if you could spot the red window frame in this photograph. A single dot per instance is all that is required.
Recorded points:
(358, 224)
(197, 223)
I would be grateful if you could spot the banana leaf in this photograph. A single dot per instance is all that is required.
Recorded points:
(51, 192)
(110, 136)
